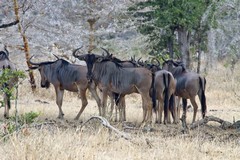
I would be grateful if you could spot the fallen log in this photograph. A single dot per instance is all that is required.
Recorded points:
(105, 123)
(223, 124)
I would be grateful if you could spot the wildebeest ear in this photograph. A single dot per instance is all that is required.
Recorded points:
(33, 67)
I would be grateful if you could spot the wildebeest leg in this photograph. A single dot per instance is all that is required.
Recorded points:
(84, 103)
(195, 107)
(124, 109)
(6, 105)
(59, 100)
(144, 109)
(92, 89)
(148, 107)
(111, 96)
(172, 107)
(184, 103)
(160, 110)
(177, 108)
(157, 110)
(104, 102)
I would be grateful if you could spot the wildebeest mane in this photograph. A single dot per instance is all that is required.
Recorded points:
(67, 72)
(116, 61)
(112, 73)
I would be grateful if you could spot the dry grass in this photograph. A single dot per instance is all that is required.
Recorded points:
(64, 141)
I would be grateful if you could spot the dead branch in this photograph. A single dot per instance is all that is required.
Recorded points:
(107, 124)
(9, 24)
(224, 124)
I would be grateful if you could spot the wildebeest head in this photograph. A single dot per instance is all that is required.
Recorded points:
(43, 70)
(171, 64)
(150, 65)
(175, 67)
(90, 59)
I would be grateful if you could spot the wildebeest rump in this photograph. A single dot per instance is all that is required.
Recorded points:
(164, 88)
(189, 84)
(6, 63)
(66, 76)
(113, 77)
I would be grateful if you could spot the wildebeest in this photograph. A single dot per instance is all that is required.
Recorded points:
(164, 88)
(111, 76)
(189, 84)
(120, 98)
(66, 76)
(6, 63)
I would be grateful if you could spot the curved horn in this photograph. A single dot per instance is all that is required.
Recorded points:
(108, 54)
(33, 63)
(74, 51)
(5, 48)
(56, 56)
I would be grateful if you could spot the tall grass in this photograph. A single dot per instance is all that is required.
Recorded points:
(64, 141)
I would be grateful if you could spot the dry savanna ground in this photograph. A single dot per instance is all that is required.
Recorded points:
(64, 139)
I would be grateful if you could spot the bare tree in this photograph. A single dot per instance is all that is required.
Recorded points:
(26, 45)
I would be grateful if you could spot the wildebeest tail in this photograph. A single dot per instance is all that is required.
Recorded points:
(153, 88)
(8, 101)
(202, 82)
(116, 98)
(166, 80)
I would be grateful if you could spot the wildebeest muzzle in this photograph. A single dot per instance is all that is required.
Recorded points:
(45, 84)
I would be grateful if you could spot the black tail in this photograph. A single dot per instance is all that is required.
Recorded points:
(8, 101)
(116, 98)
(202, 97)
(166, 80)
(154, 99)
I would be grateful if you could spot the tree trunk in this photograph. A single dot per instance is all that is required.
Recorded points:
(199, 41)
(170, 46)
(184, 44)
(199, 61)
(26, 46)
(91, 22)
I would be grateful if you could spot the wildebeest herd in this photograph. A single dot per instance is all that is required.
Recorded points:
(161, 88)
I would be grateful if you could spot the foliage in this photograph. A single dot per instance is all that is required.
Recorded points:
(8, 79)
(26, 118)
(22, 119)
(160, 19)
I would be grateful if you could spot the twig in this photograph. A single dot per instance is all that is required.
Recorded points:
(107, 124)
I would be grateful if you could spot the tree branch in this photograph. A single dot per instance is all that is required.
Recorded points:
(224, 124)
(9, 24)
(107, 124)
